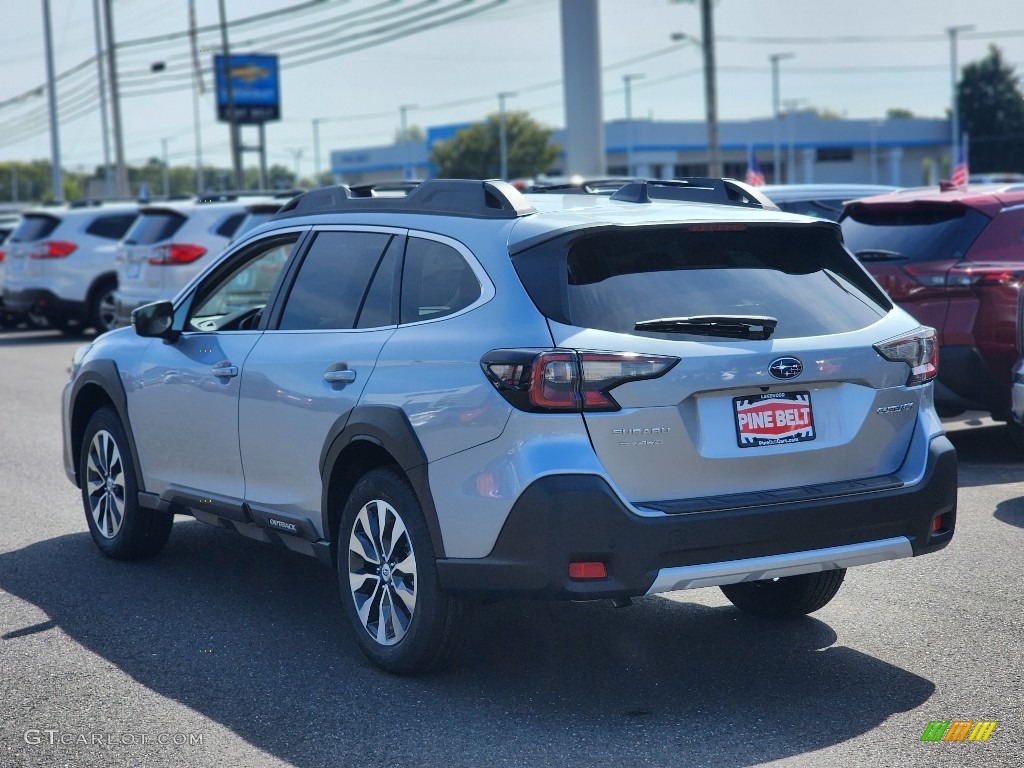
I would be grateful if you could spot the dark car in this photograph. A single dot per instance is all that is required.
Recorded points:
(954, 259)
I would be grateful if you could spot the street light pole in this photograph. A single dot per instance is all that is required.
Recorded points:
(51, 96)
(775, 58)
(316, 149)
(166, 171)
(120, 170)
(954, 105)
(503, 136)
(404, 129)
(710, 88)
(627, 80)
(108, 182)
(236, 158)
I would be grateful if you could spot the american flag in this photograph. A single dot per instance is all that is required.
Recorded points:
(960, 171)
(754, 176)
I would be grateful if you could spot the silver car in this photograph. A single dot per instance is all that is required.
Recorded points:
(468, 392)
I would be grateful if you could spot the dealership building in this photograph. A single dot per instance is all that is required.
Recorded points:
(805, 147)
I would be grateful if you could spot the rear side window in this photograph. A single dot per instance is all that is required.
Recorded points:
(333, 281)
(153, 227)
(612, 279)
(229, 226)
(918, 233)
(436, 281)
(34, 227)
(111, 227)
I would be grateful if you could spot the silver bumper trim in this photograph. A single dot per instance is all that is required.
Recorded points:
(777, 566)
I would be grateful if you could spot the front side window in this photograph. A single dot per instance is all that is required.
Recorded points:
(235, 300)
(334, 280)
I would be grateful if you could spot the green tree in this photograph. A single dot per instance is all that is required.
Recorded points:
(992, 113)
(898, 113)
(413, 135)
(474, 152)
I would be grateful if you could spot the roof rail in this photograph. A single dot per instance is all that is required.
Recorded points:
(585, 186)
(392, 188)
(492, 199)
(695, 190)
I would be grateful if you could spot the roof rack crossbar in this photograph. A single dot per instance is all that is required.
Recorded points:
(491, 199)
(694, 189)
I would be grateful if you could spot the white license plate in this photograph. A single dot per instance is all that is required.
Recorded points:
(773, 418)
(132, 270)
(16, 264)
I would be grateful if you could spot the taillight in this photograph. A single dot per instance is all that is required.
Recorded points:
(1, 257)
(968, 277)
(52, 249)
(566, 379)
(176, 253)
(919, 350)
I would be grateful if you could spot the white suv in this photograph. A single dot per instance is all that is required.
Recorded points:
(60, 264)
(172, 242)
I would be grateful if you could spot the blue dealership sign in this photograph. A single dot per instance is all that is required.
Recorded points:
(255, 88)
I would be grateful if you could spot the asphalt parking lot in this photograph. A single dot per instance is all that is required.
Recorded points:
(224, 652)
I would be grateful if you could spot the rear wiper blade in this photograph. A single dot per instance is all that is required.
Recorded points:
(878, 254)
(726, 326)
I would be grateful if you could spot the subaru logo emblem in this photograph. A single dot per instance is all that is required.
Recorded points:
(785, 368)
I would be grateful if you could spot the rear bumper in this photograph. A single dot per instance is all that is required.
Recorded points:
(40, 301)
(565, 518)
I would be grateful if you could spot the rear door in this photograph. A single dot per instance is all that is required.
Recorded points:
(306, 373)
(735, 414)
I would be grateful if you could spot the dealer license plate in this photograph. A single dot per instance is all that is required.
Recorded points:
(773, 418)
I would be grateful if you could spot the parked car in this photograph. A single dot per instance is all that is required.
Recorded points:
(824, 201)
(954, 259)
(172, 242)
(60, 264)
(470, 393)
(7, 319)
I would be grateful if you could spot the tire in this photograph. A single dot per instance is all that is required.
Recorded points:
(404, 623)
(119, 526)
(103, 308)
(787, 597)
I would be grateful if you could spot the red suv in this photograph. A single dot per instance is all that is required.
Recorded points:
(954, 259)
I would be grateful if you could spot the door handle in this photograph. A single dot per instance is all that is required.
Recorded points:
(344, 376)
(225, 371)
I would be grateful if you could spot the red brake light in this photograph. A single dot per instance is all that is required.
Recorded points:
(52, 249)
(176, 253)
(919, 350)
(567, 380)
(1, 257)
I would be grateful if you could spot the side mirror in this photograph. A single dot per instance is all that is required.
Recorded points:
(155, 321)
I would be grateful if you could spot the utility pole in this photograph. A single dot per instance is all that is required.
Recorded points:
(581, 83)
(404, 137)
(166, 171)
(954, 101)
(503, 136)
(108, 182)
(51, 95)
(775, 58)
(627, 81)
(121, 170)
(710, 89)
(236, 158)
(316, 149)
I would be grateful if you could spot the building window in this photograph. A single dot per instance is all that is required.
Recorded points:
(691, 169)
(834, 155)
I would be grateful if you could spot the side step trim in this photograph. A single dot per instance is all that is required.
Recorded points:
(777, 566)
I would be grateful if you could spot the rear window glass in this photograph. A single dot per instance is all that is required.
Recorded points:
(229, 226)
(612, 279)
(251, 220)
(111, 227)
(34, 227)
(153, 227)
(920, 233)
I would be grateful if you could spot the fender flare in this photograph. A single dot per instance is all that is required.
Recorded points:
(388, 428)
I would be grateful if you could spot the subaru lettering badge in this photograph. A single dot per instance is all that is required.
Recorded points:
(785, 368)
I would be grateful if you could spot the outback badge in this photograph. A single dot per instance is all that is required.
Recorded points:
(785, 368)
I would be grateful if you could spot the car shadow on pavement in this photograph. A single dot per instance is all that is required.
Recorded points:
(991, 452)
(253, 637)
(1011, 512)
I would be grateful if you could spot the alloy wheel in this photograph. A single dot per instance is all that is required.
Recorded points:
(382, 572)
(105, 483)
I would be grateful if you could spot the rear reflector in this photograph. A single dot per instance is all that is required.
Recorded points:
(587, 570)
(937, 524)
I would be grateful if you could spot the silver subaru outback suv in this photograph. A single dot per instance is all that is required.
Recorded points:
(469, 393)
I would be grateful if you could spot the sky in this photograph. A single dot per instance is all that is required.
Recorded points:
(351, 64)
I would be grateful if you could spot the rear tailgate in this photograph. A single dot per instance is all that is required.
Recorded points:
(813, 404)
